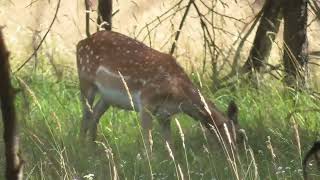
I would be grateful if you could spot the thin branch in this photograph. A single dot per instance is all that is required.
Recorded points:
(42, 40)
(159, 23)
(237, 55)
(206, 30)
(173, 47)
(31, 3)
(159, 17)
(220, 14)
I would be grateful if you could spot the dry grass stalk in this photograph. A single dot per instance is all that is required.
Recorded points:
(269, 146)
(221, 140)
(109, 154)
(297, 137)
(31, 93)
(127, 89)
(170, 151)
(180, 171)
(273, 155)
(132, 105)
(253, 162)
(89, 107)
(256, 175)
(233, 160)
(184, 146)
(172, 157)
(180, 132)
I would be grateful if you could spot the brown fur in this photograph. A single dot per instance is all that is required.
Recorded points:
(159, 86)
(312, 152)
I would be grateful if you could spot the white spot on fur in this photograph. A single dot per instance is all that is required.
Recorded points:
(161, 69)
(157, 90)
(143, 82)
(80, 60)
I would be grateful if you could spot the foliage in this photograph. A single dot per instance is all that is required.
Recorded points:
(50, 115)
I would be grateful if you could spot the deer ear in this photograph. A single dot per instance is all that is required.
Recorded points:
(233, 112)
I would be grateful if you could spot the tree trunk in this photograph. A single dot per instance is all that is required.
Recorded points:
(265, 35)
(87, 6)
(105, 14)
(11, 140)
(295, 57)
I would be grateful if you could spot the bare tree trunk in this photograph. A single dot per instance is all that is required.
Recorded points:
(105, 14)
(265, 35)
(87, 6)
(295, 57)
(11, 140)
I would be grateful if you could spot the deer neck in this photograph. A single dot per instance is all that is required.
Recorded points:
(202, 109)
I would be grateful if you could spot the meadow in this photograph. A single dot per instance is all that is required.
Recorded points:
(280, 123)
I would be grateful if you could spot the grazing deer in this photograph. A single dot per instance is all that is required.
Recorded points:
(114, 65)
(315, 150)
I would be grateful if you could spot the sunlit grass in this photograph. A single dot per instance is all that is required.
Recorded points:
(50, 113)
(49, 108)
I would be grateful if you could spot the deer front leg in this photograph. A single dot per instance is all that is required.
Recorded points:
(146, 124)
(99, 109)
(165, 126)
(87, 97)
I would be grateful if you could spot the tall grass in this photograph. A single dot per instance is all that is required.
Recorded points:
(280, 123)
(279, 129)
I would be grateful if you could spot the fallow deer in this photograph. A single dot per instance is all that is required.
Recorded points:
(314, 151)
(113, 64)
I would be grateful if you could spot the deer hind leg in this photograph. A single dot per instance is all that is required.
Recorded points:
(88, 92)
(99, 109)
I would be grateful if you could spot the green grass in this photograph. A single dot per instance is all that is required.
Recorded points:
(49, 113)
